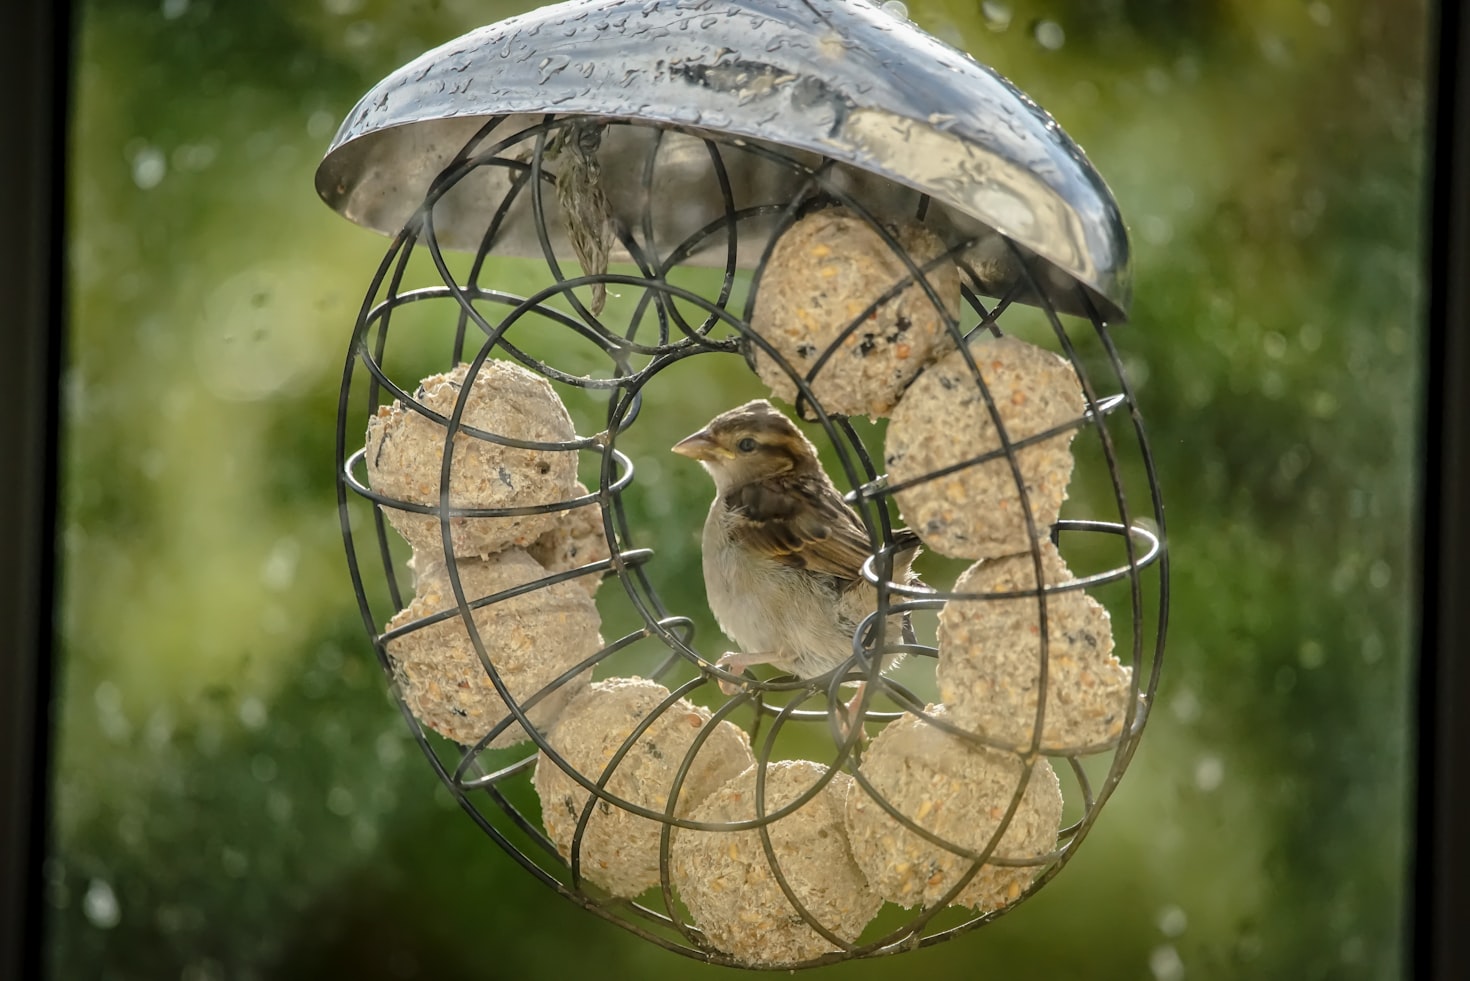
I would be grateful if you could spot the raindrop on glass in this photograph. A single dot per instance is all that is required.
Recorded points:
(1275, 50)
(99, 905)
(279, 569)
(364, 835)
(1165, 964)
(234, 863)
(1372, 649)
(1049, 34)
(389, 749)
(340, 802)
(1172, 921)
(194, 157)
(263, 768)
(1379, 574)
(202, 970)
(252, 712)
(1209, 773)
(1156, 229)
(997, 15)
(360, 35)
(321, 124)
(111, 716)
(149, 167)
(53, 875)
(278, 807)
(1185, 706)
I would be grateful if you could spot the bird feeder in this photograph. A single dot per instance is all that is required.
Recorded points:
(876, 226)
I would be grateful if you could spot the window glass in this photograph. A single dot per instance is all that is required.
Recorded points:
(236, 796)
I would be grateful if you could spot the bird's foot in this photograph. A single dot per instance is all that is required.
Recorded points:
(850, 714)
(736, 662)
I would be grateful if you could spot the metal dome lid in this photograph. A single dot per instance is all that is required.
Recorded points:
(839, 79)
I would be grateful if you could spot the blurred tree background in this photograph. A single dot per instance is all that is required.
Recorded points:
(236, 796)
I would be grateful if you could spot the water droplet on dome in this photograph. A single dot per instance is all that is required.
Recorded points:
(551, 65)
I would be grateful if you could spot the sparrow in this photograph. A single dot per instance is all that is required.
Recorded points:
(782, 551)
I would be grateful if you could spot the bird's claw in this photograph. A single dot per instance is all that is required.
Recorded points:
(850, 715)
(733, 663)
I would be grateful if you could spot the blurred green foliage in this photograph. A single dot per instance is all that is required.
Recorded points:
(237, 797)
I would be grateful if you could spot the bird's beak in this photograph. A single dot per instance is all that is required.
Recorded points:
(699, 446)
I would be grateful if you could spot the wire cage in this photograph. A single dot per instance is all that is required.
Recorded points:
(877, 226)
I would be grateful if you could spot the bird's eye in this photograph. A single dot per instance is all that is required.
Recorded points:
(746, 445)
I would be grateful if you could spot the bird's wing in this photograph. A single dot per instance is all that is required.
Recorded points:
(800, 521)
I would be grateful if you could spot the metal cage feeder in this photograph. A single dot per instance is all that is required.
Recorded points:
(910, 209)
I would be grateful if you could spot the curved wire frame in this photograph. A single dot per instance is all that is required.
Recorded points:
(670, 323)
